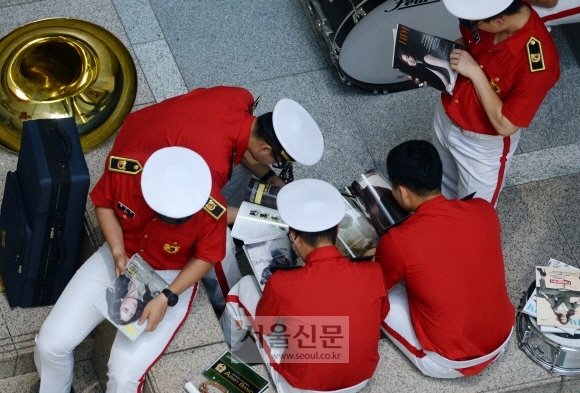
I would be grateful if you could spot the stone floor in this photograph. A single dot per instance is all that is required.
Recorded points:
(271, 48)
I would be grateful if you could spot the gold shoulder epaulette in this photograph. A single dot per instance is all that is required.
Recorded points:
(214, 208)
(535, 55)
(124, 165)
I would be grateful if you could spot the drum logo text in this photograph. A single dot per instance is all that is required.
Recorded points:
(403, 4)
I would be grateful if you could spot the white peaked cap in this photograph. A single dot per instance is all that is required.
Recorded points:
(476, 9)
(297, 132)
(310, 205)
(176, 182)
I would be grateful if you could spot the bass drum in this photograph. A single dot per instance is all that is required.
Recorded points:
(361, 38)
(559, 353)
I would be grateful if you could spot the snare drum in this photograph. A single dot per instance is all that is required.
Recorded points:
(361, 39)
(557, 353)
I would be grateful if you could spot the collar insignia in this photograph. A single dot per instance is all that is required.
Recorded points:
(124, 165)
(535, 56)
(214, 208)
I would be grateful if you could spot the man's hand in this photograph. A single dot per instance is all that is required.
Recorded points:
(462, 62)
(417, 81)
(154, 311)
(121, 261)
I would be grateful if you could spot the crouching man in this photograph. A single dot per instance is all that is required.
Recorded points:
(452, 317)
(326, 315)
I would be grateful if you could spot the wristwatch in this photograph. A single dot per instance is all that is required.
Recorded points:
(171, 297)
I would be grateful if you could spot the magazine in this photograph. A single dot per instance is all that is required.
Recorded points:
(376, 198)
(269, 255)
(557, 296)
(262, 193)
(234, 375)
(425, 57)
(256, 223)
(123, 302)
(530, 307)
(356, 233)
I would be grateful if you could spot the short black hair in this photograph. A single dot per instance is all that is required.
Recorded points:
(313, 239)
(415, 165)
(264, 131)
(513, 8)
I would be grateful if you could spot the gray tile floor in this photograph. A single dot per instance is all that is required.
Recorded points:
(271, 48)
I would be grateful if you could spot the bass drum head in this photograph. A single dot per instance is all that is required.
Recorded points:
(366, 56)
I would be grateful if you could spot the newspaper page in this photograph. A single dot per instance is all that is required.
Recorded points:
(123, 302)
(425, 57)
(256, 223)
(356, 233)
(557, 296)
(264, 255)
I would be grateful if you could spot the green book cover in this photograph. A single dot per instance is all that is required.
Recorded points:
(235, 375)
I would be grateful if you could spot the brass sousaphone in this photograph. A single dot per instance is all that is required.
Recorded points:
(55, 68)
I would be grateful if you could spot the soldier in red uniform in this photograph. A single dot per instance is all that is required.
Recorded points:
(304, 303)
(164, 207)
(448, 255)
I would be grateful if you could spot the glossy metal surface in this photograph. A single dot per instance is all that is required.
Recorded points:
(62, 67)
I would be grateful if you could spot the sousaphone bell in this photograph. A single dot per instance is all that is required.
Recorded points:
(55, 68)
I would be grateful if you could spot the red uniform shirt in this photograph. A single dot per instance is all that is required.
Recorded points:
(210, 122)
(163, 246)
(449, 254)
(507, 67)
(329, 285)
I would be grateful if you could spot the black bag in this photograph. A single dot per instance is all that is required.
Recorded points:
(42, 213)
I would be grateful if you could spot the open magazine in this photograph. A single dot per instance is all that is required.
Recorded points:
(123, 302)
(268, 255)
(425, 57)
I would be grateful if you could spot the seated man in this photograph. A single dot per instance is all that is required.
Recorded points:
(452, 317)
(164, 207)
(331, 308)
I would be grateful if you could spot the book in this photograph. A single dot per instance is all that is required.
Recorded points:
(235, 375)
(425, 57)
(557, 296)
(123, 302)
(269, 255)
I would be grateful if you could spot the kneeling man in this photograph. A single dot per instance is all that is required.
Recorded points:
(452, 317)
(318, 325)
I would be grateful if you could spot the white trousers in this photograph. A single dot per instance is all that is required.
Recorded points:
(397, 326)
(565, 11)
(241, 305)
(223, 276)
(74, 317)
(471, 162)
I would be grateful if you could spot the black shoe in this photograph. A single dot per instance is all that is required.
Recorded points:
(542, 273)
